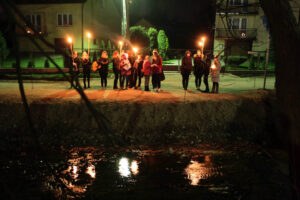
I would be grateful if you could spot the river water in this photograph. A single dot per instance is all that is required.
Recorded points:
(182, 173)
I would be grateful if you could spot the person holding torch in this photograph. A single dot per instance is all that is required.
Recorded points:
(215, 74)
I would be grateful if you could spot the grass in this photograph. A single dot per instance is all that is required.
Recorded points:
(39, 62)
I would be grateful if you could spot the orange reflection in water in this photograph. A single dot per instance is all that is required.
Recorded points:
(73, 175)
(197, 171)
(134, 167)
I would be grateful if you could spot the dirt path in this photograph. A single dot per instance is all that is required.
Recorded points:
(231, 87)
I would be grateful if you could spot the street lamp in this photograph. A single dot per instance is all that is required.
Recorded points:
(70, 41)
(89, 35)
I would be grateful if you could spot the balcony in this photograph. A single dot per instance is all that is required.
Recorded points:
(246, 34)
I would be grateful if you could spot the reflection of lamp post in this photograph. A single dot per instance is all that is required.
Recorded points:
(89, 35)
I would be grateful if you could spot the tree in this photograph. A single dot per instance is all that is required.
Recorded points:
(4, 51)
(285, 34)
(163, 43)
(152, 33)
(109, 48)
(102, 45)
(139, 36)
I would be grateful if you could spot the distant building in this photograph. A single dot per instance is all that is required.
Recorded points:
(57, 19)
(243, 29)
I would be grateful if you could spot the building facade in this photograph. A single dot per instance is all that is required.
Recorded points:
(58, 19)
(240, 27)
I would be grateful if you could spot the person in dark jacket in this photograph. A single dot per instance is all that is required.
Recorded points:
(156, 70)
(103, 63)
(131, 77)
(199, 65)
(138, 67)
(206, 72)
(186, 68)
(86, 64)
(116, 69)
(74, 70)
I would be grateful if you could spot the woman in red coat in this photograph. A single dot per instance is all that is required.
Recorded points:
(147, 71)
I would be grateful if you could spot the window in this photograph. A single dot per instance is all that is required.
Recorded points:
(64, 20)
(237, 23)
(238, 2)
(35, 20)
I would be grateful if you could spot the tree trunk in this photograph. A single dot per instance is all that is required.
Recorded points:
(285, 34)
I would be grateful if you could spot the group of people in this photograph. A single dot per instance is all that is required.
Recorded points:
(129, 70)
(202, 68)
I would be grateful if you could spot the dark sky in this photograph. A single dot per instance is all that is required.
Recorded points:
(183, 20)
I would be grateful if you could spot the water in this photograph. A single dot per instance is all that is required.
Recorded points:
(88, 173)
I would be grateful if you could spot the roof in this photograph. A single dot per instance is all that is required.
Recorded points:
(48, 1)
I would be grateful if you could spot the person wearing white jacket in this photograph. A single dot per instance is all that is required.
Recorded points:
(215, 74)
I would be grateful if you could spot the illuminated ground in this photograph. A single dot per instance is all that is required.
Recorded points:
(230, 87)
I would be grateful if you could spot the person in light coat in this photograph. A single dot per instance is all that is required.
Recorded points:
(125, 67)
(215, 75)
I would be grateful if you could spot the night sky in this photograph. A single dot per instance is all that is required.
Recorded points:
(184, 21)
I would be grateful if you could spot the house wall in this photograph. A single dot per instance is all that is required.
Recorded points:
(254, 21)
(103, 22)
(49, 24)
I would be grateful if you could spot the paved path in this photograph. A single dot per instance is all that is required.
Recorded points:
(230, 87)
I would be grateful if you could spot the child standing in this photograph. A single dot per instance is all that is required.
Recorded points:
(215, 75)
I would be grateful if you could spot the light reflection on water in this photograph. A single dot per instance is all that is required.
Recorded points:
(74, 178)
(124, 168)
(197, 171)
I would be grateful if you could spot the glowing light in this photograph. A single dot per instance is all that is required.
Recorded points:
(91, 171)
(124, 167)
(28, 31)
(201, 44)
(120, 43)
(134, 167)
(75, 171)
(213, 66)
(70, 40)
(89, 35)
(196, 171)
(135, 49)
(203, 39)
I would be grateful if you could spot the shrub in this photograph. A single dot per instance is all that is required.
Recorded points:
(152, 33)
(46, 64)
(163, 43)
(139, 36)
(102, 45)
